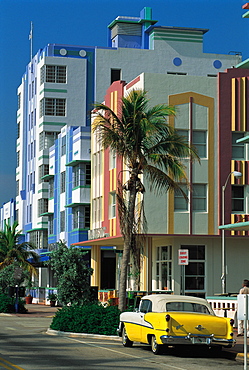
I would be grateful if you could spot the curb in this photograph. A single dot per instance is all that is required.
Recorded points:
(242, 355)
(82, 335)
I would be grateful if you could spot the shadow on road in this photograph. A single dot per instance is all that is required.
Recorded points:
(195, 352)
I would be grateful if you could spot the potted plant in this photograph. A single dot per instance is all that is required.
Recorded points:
(28, 299)
(52, 298)
(29, 285)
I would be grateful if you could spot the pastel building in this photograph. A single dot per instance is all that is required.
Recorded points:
(55, 96)
(8, 213)
(175, 225)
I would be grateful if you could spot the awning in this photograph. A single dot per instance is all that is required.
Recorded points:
(108, 242)
(118, 241)
(244, 140)
(238, 226)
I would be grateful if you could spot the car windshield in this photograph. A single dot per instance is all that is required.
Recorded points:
(187, 307)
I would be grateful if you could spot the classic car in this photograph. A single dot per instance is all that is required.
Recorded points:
(169, 320)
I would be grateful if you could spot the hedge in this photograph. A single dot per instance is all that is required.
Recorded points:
(7, 304)
(87, 318)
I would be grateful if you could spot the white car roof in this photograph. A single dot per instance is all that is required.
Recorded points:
(159, 300)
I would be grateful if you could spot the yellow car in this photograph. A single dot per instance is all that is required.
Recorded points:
(169, 320)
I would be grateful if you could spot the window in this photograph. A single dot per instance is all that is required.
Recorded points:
(112, 159)
(164, 268)
(184, 133)
(18, 159)
(63, 145)
(63, 182)
(39, 239)
(187, 307)
(115, 75)
(97, 209)
(62, 221)
(238, 149)
(31, 150)
(52, 107)
(32, 119)
(180, 203)
(32, 89)
(50, 224)
(19, 101)
(81, 217)
(82, 175)
(237, 198)
(43, 171)
(18, 129)
(195, 270)
(31, 181)
(51, 188)
(112, 205)
(47, 139)
(199, 197)
(30, 212)
(177, 73)
(53, 74)
(146, 306)
(200, 142)
(42, 206)
(17, 187)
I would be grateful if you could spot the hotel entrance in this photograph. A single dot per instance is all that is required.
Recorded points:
(193, 274)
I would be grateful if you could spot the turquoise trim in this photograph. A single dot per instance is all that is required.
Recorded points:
(52, 124)
(47, 177)
(222, 298)
(53, 90)
(244, 64)
(177, 39)
(82, 187)
(246, 15)
(75, 162)
(242, 226)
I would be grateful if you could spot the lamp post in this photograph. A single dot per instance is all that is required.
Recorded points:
(236, 174)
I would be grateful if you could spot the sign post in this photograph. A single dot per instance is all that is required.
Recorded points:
(182, 256)
(245, 330)
(182, 261)
(242, 314)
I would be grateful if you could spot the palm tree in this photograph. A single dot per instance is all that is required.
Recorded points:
(151, 149)
(12, 251)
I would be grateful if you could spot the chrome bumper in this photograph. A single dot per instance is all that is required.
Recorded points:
(208, 340)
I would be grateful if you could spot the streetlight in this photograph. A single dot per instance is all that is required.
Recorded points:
(236, 174)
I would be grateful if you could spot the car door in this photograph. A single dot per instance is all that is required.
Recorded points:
(145, 306)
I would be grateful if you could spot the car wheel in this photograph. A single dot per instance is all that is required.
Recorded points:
(156, 348)
(125, 340)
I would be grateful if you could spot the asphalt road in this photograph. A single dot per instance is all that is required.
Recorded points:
(25, 345)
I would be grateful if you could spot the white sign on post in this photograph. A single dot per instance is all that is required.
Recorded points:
(241, 298)
(243, 314)
(182, 256)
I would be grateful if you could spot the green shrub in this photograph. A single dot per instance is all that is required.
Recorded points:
(7, 304)
(88, 318)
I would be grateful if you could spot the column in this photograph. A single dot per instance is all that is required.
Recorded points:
(96, 265)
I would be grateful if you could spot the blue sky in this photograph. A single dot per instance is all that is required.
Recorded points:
(84, 22)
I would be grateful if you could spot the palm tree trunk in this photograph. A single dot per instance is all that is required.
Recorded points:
(127, 234)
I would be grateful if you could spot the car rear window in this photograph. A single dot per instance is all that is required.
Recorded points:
(187, 307)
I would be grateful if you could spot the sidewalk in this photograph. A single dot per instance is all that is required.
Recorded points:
(40, 310)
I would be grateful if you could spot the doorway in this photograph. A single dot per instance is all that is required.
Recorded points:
(193, 279)
(108, 269)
